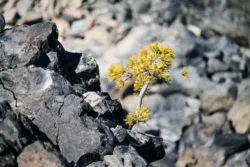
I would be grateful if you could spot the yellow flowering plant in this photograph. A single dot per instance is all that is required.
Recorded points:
(153, 62)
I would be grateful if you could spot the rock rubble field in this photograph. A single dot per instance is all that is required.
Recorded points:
(57, 108)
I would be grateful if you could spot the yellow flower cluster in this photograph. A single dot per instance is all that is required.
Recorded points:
(116, 73)
(142, 115)
(153, 61)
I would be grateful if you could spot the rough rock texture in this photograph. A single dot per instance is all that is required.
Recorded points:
(15, 134)
(210, 38)
(53, 97)
(38, 154)
(239, 113)
(218, 16)
(220, 98)
(124, 156)
(201, 157)
(238, 160)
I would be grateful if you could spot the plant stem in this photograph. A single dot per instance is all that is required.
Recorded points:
(142, 93)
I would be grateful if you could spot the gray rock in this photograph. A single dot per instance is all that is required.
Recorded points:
(40, 154)
(231, 53)
(79, 27)
(27, 50)
(239, 113)
(55, 116)
(217, 119)
(198, 135)
(7, 96)
(237, 160)
(77, 137)
(220, 98)
(103, 106)
(246, 55)
(15, 134)
(113, 160)
(222, 54)
(215, 65)
(218, 16)
(170, 118)
(141, 6)
(96, 164)
(198, 61)
(9, 15)
(24, 6)
(122, 31)
(14, 128)
(72, 66)
(30, 85)
(191, 111)
(120, 133)
(212, 54)
(96, 102)
(178, 35)
(232, 143)
(146, 143)
(227, 77)
(32, 17)
(202, 156)
(169, 160)
(2, 23)
(124, 156)
(170, 14)
(113, 1)
(83, 69)
(143, 143)
(7, 150)
(8, 5)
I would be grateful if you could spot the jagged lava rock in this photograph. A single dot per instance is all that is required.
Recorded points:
(58, 94)
(14, 134)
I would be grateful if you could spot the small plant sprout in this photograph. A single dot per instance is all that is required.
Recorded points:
(92, 60)
(153, 62)
(184, 72)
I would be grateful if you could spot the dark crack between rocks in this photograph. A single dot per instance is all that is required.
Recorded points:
(9, 90)
(57, 129)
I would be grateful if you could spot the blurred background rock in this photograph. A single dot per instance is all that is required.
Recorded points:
(205, 119)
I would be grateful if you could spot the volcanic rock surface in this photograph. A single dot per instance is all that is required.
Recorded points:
(52, 111)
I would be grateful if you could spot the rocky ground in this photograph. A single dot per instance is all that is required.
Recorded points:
(52, 104)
